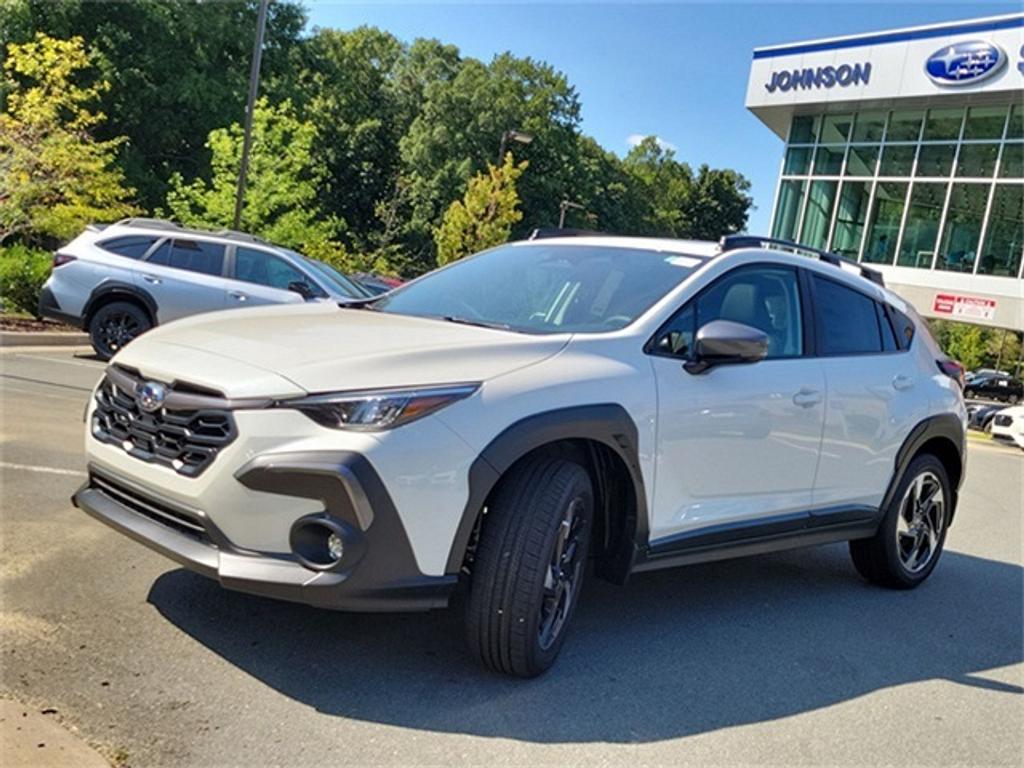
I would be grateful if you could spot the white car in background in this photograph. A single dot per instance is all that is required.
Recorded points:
(494, 425)
(1008, 426)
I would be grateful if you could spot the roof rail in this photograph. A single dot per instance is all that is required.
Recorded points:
(734, 242)
(176, 227)
(543, 233)
(139, 221)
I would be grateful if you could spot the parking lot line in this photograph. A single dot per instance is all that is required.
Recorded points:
(35, 468)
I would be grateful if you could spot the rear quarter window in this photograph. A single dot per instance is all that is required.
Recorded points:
(129, 246)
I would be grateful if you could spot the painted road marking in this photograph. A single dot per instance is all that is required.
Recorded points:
(35, 468)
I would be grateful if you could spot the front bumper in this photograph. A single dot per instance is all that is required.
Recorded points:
(379, 575)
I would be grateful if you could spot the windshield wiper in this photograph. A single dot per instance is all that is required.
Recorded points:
(478, 323)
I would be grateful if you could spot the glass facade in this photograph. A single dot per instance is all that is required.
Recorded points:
(939, 188)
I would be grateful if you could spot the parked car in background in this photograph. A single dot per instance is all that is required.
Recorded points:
(985, 371)
(118, 281)
(377, 284)
(1008, 426)
(980, 415)
(496, 424)
(995, 386)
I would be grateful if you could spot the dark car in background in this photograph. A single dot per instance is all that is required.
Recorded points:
(995, 386)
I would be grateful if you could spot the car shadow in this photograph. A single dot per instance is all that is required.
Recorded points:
(671, 654)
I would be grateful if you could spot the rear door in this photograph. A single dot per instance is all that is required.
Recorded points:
(875, 395)
(185, 276)
(260, 277)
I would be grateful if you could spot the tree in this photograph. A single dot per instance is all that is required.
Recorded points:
(281, 191)
(55, 177)
(485, 215)
(177, 70)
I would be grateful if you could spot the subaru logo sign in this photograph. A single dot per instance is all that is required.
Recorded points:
(965, 63)
(150, 396)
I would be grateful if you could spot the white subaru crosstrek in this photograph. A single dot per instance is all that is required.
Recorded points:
(496, 424)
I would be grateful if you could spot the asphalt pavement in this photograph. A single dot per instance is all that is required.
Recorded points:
(786, 659)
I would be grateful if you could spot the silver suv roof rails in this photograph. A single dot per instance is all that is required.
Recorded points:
(228, 234)
(734, 242)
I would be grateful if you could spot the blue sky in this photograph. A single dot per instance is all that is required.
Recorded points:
(633, 63)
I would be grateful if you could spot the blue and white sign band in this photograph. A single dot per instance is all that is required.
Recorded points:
(821, 77)
(965, 63)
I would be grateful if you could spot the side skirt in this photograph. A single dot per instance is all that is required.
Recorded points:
(721, 542)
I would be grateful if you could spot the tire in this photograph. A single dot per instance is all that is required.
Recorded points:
(969, 394)
(1012, 399)
(517, 612)
(904, 559)
(114, 325)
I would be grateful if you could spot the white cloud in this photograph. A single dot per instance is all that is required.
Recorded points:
(635, 138)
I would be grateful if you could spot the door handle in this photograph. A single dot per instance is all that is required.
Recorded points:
(151, 279)
(807, 397)
(902, 382)
(238, 295)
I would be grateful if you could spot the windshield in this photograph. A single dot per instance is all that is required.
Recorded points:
(339, 282)
(545, 288)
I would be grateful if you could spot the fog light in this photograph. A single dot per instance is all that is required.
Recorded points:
(335, 546)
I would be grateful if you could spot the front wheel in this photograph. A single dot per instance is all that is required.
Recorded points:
(114, 325)
(529, 565)
(907, 546)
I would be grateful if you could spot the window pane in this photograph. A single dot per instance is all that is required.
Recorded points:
(889, 343)
(818, 214)
(943, 124)
(787, 211)
(1012, 164)
(985, 123)
(922, 227)
(828, 160)
(905, 126)
(963, 227)
(977, 160)
(798, 160)
(847, 323)
(132, 246)
(197, 256)
(1015, 130)
(265, 269)
(861, 160)
(1004, 238)
(935, 159)
(884, 226)
(850, 218)
(896, 160)
(836, 128)
(804, 130)
(869, 126)
(766, 298)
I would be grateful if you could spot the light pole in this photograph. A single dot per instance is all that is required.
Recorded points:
(520, 136)
(563, 207)
(254, 84)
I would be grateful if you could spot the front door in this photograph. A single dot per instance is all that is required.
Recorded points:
(738, 444)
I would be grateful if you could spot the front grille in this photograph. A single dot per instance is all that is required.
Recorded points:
(187, 440)
(157, 511)
(1003, 420)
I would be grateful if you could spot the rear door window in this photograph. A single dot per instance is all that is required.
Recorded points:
(190, 255)
(129, 246)
(847, 320)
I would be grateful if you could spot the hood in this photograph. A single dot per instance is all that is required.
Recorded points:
(319, 347)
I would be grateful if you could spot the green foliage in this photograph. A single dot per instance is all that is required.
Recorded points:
(977, 347)
(22, 274)
(54, 176)
(485, 215)
(281, 189)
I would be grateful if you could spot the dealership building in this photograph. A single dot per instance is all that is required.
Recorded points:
(904, 149)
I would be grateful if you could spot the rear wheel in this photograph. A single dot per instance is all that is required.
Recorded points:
(907, 546)
(529, 566)
(114, 325)
(1013, 399)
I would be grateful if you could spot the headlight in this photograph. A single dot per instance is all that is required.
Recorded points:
(372, 410)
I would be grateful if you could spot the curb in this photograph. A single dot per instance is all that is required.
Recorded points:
(42, 339)
(32, 739)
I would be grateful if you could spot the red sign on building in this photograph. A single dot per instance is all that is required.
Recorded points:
(966, 307)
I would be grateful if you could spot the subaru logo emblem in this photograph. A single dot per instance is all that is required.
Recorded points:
(965, 63)
(150, 396)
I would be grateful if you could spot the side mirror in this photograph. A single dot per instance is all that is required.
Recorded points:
(301, 288)
(723, 342)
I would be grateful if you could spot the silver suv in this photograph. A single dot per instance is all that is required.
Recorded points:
(119, 281)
